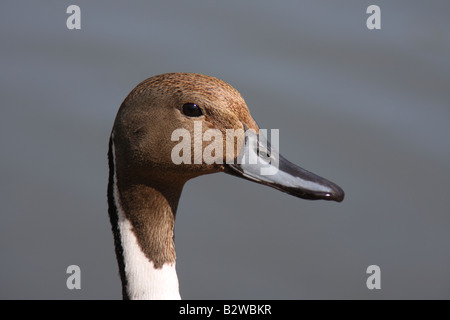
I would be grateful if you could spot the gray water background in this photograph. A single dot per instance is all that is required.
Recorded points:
(369, 110)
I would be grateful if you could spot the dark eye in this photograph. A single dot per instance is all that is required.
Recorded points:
(192, 110)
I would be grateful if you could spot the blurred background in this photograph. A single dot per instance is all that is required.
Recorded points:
(367, 109)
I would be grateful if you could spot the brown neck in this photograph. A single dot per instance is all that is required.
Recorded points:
(142, 215)
(151, 211)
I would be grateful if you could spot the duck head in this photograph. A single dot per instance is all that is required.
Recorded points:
(176, 126)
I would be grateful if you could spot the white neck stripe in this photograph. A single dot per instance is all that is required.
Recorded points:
(144, 281)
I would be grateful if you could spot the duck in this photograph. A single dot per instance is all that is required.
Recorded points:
(145, 182)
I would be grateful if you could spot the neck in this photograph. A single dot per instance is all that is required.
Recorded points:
(143, 218)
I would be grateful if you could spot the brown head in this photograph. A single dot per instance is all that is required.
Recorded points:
(157, 107)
